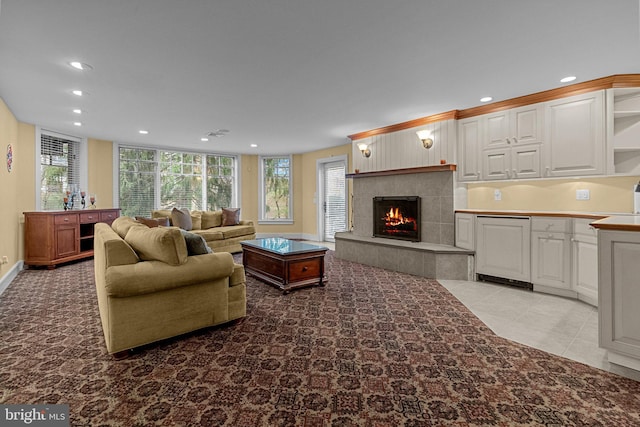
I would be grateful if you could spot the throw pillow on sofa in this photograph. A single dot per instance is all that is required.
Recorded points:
(158, 244)
(196, 245)
(230, 216)
(181, 218)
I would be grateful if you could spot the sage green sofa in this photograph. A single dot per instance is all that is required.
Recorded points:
(150, 289)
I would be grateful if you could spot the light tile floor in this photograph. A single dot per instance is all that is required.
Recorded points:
(558, 325)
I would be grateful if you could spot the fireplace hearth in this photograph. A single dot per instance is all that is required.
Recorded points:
(397, 217)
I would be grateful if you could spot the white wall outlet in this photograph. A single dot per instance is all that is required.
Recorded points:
(497, 195)
(583, 195)
(5, 260)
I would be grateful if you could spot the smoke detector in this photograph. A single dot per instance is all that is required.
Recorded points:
(218, 133)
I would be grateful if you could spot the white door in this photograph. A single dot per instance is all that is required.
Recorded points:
(333, 199)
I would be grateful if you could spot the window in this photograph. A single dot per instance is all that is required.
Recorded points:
(59, 171)
(275, 189)
(180, 180)
(158, 179)
(137, 180)
(220, 182)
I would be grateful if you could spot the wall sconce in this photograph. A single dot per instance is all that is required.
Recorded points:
(366, 151)
(425, 137)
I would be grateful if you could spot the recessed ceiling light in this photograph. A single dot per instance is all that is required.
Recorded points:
(143, 132)
(204, 139)
(77, 124)
(486, 99)
(77, 92)
(253, 145)
(77, 111)
(568, 79)
(80, 66)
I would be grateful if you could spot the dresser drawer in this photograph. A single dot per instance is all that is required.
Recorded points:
(66, 219)
(108, 216)
(89, 217)
(305, 269)
(551, 224)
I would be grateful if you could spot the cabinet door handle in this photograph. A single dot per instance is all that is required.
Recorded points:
(506, 172)
(90, 217)
(546, 171)
(515, 174)
(508, 142)
(66, 220)
(515, 140)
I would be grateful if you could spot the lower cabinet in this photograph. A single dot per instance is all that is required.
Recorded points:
(503, 247)
(619, 296)
(465, 226)
(584, 261)
(551, 255)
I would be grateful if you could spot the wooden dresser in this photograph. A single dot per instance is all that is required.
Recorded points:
(56, 237)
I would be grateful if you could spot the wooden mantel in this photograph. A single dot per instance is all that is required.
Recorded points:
(406, 171)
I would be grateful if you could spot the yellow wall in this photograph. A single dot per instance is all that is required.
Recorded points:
(608, 194)
(100, 165)
(304, 189)
(17, 186)
(310, 185)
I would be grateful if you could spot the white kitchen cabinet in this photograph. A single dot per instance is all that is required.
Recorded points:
(619, 296)
(623, 130)
(551, 255)
(516, 126)
(574, 143)
(503, 247)
(521, 161)
(465, 226)
(584, 264)
(469, 132)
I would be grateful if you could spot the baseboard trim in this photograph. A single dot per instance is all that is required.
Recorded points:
(6, 280)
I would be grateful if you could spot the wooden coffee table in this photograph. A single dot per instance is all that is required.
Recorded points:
(286, 264)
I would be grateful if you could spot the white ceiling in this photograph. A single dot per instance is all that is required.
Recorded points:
(293, 75)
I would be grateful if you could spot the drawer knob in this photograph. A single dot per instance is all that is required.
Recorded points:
(305, 268)
(66, 219)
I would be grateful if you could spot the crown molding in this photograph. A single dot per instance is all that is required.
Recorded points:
(615, 81)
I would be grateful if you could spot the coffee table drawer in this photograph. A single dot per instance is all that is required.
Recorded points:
(305, 269)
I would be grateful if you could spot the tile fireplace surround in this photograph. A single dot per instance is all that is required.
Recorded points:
(434, 256)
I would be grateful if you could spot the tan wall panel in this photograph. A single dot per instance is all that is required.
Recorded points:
(100, 172)
(607, 194)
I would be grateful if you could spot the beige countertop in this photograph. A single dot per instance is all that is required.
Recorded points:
(602, 220)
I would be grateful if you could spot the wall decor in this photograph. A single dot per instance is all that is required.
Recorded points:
(9, 157)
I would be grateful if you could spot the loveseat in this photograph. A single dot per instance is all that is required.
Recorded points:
(149, 288)
(209, 224)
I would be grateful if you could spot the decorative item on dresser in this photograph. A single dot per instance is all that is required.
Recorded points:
(56, 237)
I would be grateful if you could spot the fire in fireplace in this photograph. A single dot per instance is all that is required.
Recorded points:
(397, 217)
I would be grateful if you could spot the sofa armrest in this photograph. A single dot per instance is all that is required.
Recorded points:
(118, 252)
(238, 276)
(154, 276)
(245, 222)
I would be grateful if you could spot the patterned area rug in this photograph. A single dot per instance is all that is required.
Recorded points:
(372, 348)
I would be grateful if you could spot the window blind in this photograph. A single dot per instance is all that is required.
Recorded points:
(335, 218)
(59, 168)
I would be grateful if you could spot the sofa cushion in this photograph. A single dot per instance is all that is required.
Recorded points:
(236, 231)
(230, 216)
(158, 244)
(196, 220)
(210, 234)
(181, 218)
(162, 213)
(122, 224)
(196, 245)
(211, 219)
(153, 222)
